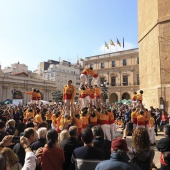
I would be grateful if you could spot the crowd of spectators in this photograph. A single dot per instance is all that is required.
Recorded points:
(44, 138)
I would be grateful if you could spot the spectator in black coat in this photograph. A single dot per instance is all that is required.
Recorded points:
(69, 145)
(29, 133)
(2, 130)
(100, 142)
(164, 146)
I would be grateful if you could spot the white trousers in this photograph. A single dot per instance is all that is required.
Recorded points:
(113, 131)
(106, 130)
(95, 81)
(134, 126)
(96, 101)
(140, 126)
(83, 79)
(92, 101)
(151, 135)
(39, 104)
(67, 106)
(85, 101)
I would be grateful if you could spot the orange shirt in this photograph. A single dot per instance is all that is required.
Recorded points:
(33, 95)
(141, 120)
(134, 117)
(151, 121)
(134, 97)
(38, 118)
(104, 119)
(111, 117)
(147, 116)
(64, 122)
(29, 115)
(93, 120)
(83, 93)
(89, 72)
(139, 97)
(97, 92)
(38, 96)
(69, 92)
(48, 115)
(92, 93)
(56, 122)
(78, 122)
(85, 119)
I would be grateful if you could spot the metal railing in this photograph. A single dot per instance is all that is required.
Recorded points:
(124, 84)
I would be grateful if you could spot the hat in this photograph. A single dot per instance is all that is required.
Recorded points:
(119, 143)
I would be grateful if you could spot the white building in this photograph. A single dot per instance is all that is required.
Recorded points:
(62, 72)
(15, 69)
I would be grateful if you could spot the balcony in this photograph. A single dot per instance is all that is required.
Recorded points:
(125, 84)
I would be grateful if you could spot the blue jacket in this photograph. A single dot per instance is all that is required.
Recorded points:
(118, 161)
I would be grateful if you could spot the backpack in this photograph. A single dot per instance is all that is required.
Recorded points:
(146, 164)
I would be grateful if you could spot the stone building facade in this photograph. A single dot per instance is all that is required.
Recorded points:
(14, 87)
(120, 70)
(154, 52)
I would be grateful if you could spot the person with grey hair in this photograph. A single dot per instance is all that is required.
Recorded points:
(63, 135)
(69, 145)
(42, 132)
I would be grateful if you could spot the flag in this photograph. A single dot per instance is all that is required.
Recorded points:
(123, 43)
(106, 45)
(118, 43)
(111, 42)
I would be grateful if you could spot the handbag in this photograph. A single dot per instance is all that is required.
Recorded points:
(144, 165)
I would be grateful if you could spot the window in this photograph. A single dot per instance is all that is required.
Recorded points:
(113, 81)
(91, 65)
(138, 81)
(102, 65)
(137, 60)
(124, 62)
(52, 74)
(90, 81)
(102, 80)
(125, 80)
(113, 64)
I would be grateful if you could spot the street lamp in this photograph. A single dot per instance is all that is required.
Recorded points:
(13, 93)
(104, 86)
(57, 96)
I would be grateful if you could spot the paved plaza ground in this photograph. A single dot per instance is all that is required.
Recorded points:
(157, 153)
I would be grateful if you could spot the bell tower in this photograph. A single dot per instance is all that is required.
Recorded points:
(154, 52)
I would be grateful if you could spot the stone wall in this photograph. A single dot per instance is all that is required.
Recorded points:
(154, 51)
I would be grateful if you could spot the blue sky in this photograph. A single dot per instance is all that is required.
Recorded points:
(32, 31)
